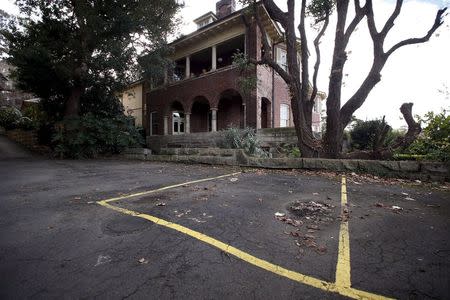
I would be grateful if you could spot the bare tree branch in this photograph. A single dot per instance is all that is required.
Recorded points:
(360, 12)
(390, 22)
(437, 23)
(318, 58)
(304, 53)
(275, 12)
(267, 57)
(371, 21)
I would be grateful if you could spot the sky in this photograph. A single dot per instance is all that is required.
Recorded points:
(412, 74)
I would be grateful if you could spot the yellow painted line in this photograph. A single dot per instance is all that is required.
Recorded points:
(343, 264)
(169, 187)
(344, 290)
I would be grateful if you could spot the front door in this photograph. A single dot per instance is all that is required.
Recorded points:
(178, 121)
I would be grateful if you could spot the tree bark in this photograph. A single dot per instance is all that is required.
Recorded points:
(333, 135)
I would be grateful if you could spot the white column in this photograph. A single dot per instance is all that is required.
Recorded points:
(188, 67)
(188, 123)
(214, 58)
(166, 125)
(214, 119)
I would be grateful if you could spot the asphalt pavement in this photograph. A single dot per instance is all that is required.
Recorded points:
(56, 241)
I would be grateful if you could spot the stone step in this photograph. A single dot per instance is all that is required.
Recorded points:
(213, 152)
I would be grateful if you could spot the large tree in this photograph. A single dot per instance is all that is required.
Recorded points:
(297, 75)
(76, 53)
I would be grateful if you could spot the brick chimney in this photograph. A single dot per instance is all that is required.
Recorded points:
(225, 8)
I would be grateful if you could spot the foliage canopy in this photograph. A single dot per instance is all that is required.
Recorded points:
(76, 54)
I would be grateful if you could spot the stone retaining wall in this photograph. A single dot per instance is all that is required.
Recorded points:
(271, 137)
(434, 171)
(27, 138)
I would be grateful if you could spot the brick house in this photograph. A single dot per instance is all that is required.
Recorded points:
(202, 93)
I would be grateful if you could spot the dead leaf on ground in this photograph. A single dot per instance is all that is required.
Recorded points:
(143, 261)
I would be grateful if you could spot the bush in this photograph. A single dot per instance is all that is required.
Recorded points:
(26, 123)
(9, 117)
(368, 135)
(90, 135)
(245, 139)
(434, 141)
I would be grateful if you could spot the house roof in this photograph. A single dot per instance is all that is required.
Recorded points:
(205, 16)
(267, 21)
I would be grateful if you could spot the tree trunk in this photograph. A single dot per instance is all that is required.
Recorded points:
(72, 105)
(73, 101)
(332, 140)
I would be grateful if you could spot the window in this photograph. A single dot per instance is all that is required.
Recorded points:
(281, 58)
(284, 115)
(178, 122)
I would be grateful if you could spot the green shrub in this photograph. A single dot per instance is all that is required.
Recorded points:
(245, 139)
(91, 135)
(434, 141)
(9, 117)
(368, 135)
(26, 123)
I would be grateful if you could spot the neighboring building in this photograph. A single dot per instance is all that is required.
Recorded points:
(132, 101)
(202, 93)
(9, 94)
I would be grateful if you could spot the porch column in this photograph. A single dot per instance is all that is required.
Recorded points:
(188, 67)
(166, 125)
(213, 119)
(214, 58)
(188, 123)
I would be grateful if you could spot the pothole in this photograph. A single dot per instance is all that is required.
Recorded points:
(312, 210)
(306, 219)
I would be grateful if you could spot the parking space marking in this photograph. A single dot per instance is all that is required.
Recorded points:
(342, 285)
(169, 187)
(343, 263)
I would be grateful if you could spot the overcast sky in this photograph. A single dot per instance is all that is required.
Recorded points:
(413, 74)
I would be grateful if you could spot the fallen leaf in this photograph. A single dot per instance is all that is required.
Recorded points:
(321, 250)
(278, 214)
(234, 179)
(143, 261)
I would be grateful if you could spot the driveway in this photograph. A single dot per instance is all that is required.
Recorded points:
(113, 229)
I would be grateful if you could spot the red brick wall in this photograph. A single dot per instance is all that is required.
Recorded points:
(209, 87)
(212, 85)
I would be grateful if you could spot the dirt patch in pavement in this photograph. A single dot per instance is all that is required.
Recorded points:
(307, 219)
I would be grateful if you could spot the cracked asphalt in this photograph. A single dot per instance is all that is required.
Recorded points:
(57, 242)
